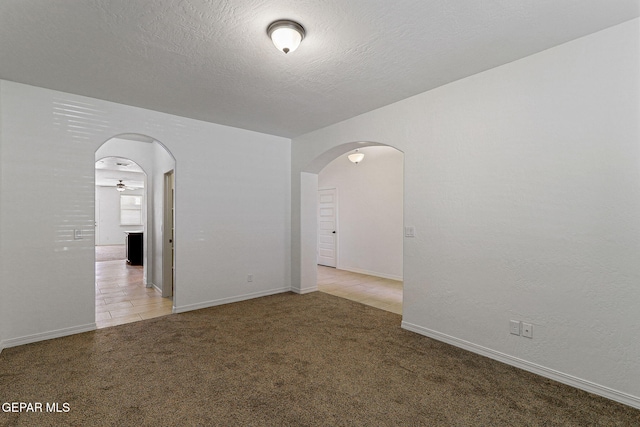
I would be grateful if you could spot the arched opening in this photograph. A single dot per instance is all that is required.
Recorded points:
(135, 260)
(351, 221)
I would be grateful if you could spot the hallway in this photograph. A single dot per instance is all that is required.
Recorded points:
(385, 294)
(121, 296)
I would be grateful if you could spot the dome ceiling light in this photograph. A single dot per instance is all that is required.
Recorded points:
(356, 157)
(286, 35)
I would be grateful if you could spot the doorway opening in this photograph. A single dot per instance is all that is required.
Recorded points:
(131, 220)
(359, 225)
(168, 255)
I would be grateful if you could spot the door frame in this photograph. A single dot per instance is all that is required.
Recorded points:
(154, 158)
(168, 235)
(304, 266)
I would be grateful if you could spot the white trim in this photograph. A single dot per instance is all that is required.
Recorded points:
(221, 301)
(28, 339)
(168, 234)
(370, 273)
(591, 387)
(302, 291)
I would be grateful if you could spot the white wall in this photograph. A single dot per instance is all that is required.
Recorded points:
(523, 183)
(109, 231)
(232, 217)
(369, 211)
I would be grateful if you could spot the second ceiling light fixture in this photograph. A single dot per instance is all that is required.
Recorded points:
(356, 157)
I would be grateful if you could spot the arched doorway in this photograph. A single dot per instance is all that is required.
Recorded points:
(144, 286)
(369, 225)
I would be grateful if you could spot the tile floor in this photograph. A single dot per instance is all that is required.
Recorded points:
(382, 293)
(122, 297)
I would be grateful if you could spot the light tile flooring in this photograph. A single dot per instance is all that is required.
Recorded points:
(381, 293)
(121, 296)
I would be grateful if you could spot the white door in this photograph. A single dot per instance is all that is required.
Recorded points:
(327, 204)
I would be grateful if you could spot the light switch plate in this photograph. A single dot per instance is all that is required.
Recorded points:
(514, 327)
(410, 231)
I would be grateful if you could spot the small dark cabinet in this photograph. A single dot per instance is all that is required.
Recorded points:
(134, 247)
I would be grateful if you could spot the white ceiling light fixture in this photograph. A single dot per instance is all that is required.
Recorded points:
(120, 186)
(286, 35)
(356, 157)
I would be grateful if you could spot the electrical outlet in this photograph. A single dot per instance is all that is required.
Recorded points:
(77, 234)
(410, 231)
(249, 277)
(514, 327)
(527, 330)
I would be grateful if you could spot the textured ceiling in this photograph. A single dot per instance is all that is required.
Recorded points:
(110, 170)
(212, 60)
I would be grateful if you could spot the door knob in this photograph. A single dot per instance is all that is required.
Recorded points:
(333, 232)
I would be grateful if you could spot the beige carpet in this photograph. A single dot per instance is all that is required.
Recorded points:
(111, 253)
(283, 360)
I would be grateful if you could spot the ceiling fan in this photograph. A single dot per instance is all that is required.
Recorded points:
(121, 187)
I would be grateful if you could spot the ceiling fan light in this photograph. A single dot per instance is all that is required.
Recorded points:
(356, 157)
(286, 35)
(120, 186)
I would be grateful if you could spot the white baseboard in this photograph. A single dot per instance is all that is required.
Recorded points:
(591, 387)
(303, 291)
(221, 301)
(28, 339)
(153, 285)
(370, 273)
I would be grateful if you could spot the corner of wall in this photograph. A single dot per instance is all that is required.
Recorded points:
(2, 310)
(561, 377)
(288, 219)
(301, 291)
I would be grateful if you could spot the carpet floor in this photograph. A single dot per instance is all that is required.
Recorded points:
(282, 360)
(111, 253)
